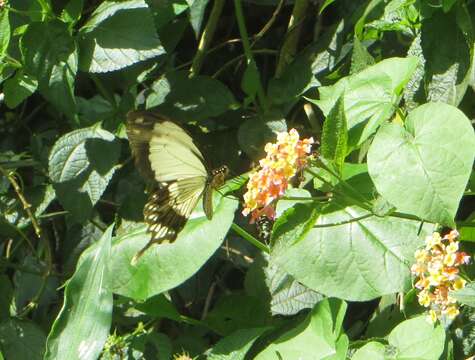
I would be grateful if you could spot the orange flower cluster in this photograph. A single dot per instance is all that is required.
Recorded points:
(437, 270)
(284, 159)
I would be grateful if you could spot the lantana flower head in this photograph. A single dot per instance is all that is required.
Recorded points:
(287, 156)
(437, 273)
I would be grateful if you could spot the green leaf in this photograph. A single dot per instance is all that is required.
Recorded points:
(335, 135)
(371, 351)
(360, 58)
(370, 96)
(4, 32)
(82, 325)
(296, 78)
(18, 88)
(423, 167)
(233, 312)
(197, 13)
(325, 5)
(288, 295)
(117, 35)
(256, 131)
(21, 340)
(6, 293)
(314, 338)
(236, 345)
(159, 306)
(466, 295)
(166, 266)
(209, 97)
(81, 164)
(50, 56)
(447, 52)
(72, 11)
(418, 339)
(250, 80)
(339, 260)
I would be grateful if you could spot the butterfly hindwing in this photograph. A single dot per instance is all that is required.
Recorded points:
(168, 209)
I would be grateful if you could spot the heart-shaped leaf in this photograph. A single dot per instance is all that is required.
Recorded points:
(423, 167)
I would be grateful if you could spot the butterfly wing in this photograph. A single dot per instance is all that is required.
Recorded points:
(168, 209)
(164, 152)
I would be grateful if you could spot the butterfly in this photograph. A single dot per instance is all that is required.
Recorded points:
(168, 159)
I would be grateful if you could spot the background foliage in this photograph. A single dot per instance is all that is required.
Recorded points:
(385, 86)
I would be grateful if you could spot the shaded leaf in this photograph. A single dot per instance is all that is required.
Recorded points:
(21, 340)
(50, 56)
(173, 97)
(236, 345)
(18, 88)
(255, 132)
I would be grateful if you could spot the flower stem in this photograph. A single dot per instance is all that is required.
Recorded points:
(246, 236)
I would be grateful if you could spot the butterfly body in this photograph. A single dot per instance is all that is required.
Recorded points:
(171, 163)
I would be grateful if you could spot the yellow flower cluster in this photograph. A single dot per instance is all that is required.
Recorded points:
(437, 273)
(283, 160)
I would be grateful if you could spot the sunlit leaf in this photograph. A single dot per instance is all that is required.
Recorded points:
(82, 326)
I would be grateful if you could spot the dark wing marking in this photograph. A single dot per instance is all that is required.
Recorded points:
(168, 209)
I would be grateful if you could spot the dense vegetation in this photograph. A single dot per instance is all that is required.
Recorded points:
(384, 87)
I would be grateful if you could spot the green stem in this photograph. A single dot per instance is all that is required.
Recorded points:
(344, 222)
(206, 37)
(246, 236)
(248, 52)
(289, 48)
(313, 198)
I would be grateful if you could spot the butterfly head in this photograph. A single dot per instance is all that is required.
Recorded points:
(218, 176)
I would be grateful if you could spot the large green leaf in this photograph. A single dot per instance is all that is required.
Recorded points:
(423, 167)
(82, 325)
(370, 96)
(166, 266)
(81, 164)
(418, 339)
(316, 337)
(49, 53)
(117, 35)
(21, 340)
(340, 259)
(236, 345)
